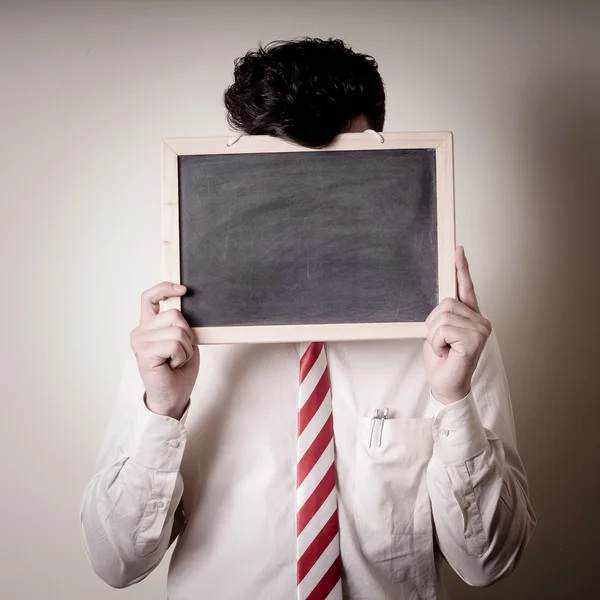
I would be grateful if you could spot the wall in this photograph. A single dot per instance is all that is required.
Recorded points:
(89, 89)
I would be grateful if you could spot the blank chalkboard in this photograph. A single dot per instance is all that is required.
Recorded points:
(273, 240)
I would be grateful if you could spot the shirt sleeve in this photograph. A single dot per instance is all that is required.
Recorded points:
(131, 508)
(476, 480)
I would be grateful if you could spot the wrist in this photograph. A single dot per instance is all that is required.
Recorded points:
(451, 397)
(165, 409)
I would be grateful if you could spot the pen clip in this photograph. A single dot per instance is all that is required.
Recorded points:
(383, 418)
(375, 418)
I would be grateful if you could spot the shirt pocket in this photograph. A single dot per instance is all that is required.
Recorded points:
(392, 510)
(390, 483)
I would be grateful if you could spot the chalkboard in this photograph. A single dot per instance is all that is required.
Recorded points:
(289, 239)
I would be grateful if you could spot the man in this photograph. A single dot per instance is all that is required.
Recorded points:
(208, 454)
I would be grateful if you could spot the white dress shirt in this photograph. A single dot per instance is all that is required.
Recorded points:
(436, 480)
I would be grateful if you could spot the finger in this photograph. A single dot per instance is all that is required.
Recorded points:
(455, 321)
(466, 289)
(170, 318)
(449, 335)
(150, 337)
(168, 351)
(450, 305)
(152, 297)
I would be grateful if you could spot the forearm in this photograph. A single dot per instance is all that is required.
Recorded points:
(125, 530)
(478, 492)
(127, 510)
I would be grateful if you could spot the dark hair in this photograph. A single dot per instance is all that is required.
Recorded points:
(305, 91)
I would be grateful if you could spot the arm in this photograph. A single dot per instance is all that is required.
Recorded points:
(476, 481)
(131, 510)
(129, 507)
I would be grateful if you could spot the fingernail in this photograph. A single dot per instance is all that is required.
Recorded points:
(178, 287)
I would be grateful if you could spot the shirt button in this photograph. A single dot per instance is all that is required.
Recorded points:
(159, 504)
(174, 443)
(444, 432)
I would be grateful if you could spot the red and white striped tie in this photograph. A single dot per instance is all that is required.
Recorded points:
(317, 528)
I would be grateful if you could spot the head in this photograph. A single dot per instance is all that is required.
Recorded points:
(305, 91)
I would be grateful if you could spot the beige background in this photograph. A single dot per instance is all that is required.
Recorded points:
(89, 88)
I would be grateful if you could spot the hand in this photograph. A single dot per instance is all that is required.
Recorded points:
(457, 333)
(167, 360)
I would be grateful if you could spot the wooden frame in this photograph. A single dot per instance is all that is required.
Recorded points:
(440, 141)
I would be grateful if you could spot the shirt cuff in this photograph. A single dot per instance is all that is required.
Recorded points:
(157, 442)
(458, 433)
